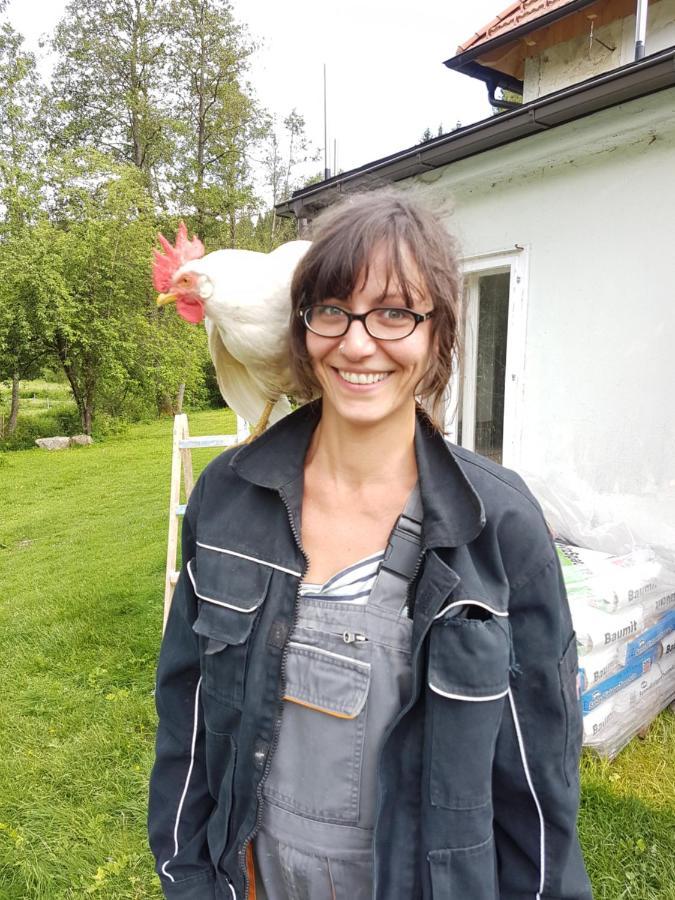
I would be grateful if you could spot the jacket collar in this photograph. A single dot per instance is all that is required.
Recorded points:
(453, 511)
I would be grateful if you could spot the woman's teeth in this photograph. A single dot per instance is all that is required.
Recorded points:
(362, 377)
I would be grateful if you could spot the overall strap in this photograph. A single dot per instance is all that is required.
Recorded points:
(400, 557)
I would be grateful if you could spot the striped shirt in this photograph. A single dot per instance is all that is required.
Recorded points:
(351, 585)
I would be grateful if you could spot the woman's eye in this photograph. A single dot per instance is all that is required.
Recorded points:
(329, 311)
(393, 315)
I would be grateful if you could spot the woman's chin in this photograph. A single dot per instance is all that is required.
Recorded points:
(360, 411)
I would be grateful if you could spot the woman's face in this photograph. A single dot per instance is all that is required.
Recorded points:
(399, 365)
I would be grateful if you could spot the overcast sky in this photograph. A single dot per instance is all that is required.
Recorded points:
(386, 80)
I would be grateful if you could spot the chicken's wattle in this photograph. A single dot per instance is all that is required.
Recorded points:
(190, 308)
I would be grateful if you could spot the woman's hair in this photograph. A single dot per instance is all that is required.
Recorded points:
(344, 240)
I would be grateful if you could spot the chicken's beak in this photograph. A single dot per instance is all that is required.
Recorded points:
(163, 299)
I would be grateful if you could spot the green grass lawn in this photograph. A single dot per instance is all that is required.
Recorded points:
(82, 555)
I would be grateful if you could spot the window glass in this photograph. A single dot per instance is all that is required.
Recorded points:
(493, 317)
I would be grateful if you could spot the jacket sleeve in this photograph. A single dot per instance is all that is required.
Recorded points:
(536, 774)
(180, 803)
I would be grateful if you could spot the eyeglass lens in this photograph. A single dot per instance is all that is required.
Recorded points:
(385, 324)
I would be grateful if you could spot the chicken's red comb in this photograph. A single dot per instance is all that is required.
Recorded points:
(167, 264)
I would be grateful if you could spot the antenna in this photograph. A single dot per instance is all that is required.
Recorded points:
(326, 168)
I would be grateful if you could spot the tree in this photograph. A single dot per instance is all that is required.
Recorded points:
(118, 351)
(21, 346)
(217, 116)
(283, 157)
(109, 86)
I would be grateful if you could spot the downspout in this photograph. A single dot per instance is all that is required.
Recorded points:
(640, 28)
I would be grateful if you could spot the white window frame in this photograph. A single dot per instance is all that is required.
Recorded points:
(515, 260)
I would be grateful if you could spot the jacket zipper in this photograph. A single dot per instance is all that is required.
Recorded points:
(277, 724)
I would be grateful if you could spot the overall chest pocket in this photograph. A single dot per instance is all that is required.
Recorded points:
(231, 590)
(316, 769)
(468, 679)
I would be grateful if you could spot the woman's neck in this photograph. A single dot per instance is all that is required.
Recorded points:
(352, 456)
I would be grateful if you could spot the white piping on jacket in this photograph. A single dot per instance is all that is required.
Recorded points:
(495, 612)
(186, 785)
(255, 559)
(437, 690)
(219, 602)
(542, 839)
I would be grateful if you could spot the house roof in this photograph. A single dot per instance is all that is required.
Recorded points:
(636, 79)
(513, 16)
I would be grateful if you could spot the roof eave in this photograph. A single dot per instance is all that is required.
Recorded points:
(637, 79)
(462, 62)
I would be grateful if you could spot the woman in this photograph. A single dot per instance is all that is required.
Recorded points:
(367, 687)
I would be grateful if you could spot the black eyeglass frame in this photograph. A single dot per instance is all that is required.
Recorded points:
(361, 317)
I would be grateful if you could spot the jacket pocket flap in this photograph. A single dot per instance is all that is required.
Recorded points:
(222, 626)
(469, 658)
(326, 681)
(229, 581)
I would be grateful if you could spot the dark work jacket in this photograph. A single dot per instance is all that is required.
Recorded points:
(478, 775)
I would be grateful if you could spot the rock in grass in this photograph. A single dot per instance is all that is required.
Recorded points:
(62, 443)
(53, 443)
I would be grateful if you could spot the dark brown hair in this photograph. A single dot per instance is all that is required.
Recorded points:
(344, 240)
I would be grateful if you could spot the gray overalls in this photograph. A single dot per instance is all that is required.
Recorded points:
(348, 674)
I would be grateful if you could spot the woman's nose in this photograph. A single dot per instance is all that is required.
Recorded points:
(357, 342)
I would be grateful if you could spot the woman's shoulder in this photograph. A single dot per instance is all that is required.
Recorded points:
(514, 520)
(494, 482)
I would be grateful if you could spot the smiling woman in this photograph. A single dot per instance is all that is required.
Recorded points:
(369, 663)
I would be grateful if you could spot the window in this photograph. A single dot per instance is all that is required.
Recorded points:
(485, 405)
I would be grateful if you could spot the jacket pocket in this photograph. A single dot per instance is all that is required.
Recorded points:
(568, 671)
(231, 590)
(468, 873)
(468, 679)
(316, 769)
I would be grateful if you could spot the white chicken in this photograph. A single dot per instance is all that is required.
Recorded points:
(245, 301)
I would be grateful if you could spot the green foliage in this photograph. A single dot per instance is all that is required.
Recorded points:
(217, 117)
(59, 420)
(21, 339)
(108, 85)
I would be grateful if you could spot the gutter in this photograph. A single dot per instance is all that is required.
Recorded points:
(636, 79)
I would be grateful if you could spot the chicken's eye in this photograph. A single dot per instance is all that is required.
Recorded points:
(184, 281)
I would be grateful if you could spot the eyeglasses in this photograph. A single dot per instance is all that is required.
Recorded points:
(390, 323)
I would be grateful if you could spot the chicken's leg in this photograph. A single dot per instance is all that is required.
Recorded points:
(262, 422)
(260, 426)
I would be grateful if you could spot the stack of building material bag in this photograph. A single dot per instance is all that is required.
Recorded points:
(623, 609)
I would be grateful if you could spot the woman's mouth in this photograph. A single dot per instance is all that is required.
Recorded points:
(362, 377)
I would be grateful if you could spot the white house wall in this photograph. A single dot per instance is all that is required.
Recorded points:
(593, 203)
(578, 59)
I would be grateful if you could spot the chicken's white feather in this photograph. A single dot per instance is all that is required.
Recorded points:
(247, 316)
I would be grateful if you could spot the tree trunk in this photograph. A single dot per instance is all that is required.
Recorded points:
(14, 409)
(87, 418)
